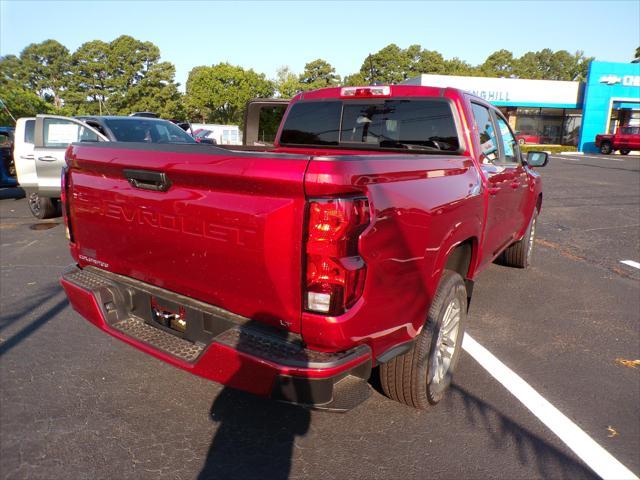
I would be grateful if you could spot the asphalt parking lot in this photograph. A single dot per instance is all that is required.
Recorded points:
(76, 403)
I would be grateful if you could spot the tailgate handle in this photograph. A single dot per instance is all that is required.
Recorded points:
(148, 180)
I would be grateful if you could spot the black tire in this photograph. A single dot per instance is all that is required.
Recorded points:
(519, 254)
(409, 378)
(42, 207)
(624, 152)
(605, 148)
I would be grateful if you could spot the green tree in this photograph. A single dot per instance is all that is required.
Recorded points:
(637, 53)
(356, 79)
(121, 77)
(220, 93)
(156, 92)
(393, 64)
(318, 74)
(499, 64)
(91, 79)
(286, 83)
(549, 65)
(389, 65)
(456, 66)
(20, 101)
(424, 61)
(44, 69)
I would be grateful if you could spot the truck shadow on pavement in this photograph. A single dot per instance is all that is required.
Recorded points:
(503, 432)
(24, 310)
(255, 436)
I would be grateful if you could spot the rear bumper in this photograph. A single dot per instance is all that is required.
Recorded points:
(217, 344)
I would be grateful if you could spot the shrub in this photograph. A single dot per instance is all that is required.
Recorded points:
(547, 148)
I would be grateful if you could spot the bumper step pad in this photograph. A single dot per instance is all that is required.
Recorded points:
(254, 341)
(168, 343)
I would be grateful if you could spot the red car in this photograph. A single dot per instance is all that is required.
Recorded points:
(625, 139)
(290, 272)
(524, 138)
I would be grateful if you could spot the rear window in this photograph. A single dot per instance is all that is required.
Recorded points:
(29, 129)
(396, 124)
(150, 131)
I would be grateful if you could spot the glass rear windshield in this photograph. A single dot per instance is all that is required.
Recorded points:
(426, 125)
(140, 129)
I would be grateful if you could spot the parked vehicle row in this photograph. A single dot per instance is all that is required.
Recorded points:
(40, 145)
(291, 271)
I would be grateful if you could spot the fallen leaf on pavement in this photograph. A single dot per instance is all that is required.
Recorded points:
(612, 431)
(628, 363)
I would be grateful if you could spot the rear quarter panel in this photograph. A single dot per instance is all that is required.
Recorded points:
(422, 207)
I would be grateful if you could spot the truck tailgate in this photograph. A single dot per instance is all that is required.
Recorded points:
(227, 231)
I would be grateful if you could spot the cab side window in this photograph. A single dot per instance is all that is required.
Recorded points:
(488, 139)
(509, 143)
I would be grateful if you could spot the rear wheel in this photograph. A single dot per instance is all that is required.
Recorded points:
(624, 152)
(519, 254)
(421, 376)
(605, 148)
(42, 207)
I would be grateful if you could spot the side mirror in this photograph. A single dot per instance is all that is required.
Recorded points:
(537, 159)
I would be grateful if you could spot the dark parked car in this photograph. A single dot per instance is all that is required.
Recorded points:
(7, 167)
(138, 129)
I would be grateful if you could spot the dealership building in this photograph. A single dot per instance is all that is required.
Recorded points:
(557, 112)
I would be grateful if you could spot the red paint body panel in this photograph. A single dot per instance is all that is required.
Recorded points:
(230, 231)
(219, 363)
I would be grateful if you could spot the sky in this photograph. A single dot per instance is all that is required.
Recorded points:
(267, 35)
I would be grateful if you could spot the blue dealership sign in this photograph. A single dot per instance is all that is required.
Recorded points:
(609, 85)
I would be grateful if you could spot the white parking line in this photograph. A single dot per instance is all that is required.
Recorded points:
(562, 157)
(603, 158)
(631, 263)
(587, 449)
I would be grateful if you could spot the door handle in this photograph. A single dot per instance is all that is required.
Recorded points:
(493, 190)
(27, 157)
(148, 180)
(47, 158)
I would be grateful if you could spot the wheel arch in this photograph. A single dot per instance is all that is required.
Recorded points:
(461, 259)
(539, 203)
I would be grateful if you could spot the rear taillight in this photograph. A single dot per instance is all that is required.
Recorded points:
(335, 272)
(64, 200)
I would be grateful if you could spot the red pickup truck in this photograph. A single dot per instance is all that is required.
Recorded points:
(292, 271)
(625, 139)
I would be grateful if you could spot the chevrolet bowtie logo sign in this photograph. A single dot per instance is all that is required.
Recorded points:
(610, 79)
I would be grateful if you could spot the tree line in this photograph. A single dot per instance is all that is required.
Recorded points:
(127, 75)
